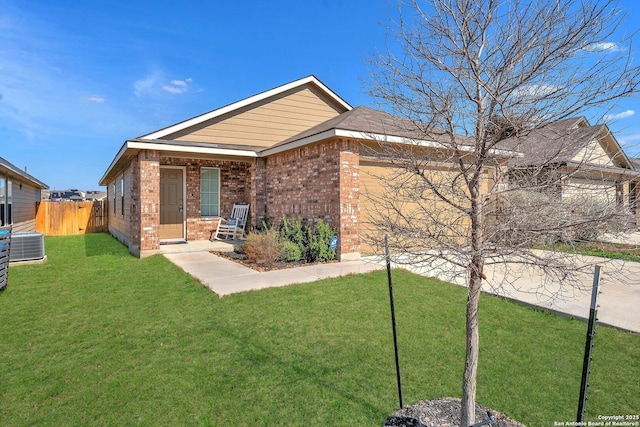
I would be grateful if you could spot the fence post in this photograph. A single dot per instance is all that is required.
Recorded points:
(591, 331)
(393, 321)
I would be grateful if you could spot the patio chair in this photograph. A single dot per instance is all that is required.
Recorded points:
(233, 226)
(5, 245)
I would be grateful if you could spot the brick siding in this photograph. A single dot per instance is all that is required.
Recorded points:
(318, 181)
(235, 187)
(148, 200)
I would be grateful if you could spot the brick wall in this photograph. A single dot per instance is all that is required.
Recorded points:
(235, 187)
(304, 182)
(120, 225)
(349, 199)
(318, 181)
(258, 176)
(148, 200)
(134, 203)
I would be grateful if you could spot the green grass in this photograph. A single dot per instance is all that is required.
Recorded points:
(97, 337)
(601, 249)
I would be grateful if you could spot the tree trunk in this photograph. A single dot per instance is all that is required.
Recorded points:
(467, 416)
(473, 341)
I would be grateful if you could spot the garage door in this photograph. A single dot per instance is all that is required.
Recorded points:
(391, 200)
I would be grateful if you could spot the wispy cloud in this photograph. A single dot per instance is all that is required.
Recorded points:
(155, 82)
(148, 84)
(623, 115)
(631, 143)
(177, 86)
(96, 99)
(534, 92)
(44, 93)
(602, 47)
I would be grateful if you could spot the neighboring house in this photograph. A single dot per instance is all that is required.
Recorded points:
(296, 150)
(634, 192)
(72, 195)
(96, 195)
(589, 156)
(19, 195)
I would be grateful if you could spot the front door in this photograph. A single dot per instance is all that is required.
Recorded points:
(171, 208)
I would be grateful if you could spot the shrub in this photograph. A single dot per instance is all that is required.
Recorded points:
(289, 251)
(295, 232)
(263, 248)
(291, 241)
(266, 224)
(319, 242)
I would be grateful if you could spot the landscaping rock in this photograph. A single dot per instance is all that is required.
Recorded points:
(442, 413)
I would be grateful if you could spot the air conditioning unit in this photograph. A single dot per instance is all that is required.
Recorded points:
(26, 246)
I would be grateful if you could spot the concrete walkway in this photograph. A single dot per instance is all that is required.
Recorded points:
(619, 302)
(226, 277)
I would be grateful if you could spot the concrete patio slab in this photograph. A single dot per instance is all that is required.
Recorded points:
(183, 246)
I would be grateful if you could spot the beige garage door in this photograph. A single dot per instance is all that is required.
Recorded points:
(390, 196)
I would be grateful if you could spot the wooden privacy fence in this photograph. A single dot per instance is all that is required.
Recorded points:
(68, 218)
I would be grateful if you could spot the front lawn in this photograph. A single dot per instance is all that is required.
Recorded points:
(600, 249)
(97, 337)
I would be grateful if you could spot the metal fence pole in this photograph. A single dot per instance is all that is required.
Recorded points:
(591, 331)
(393, 320)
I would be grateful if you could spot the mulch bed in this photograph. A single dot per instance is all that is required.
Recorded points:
(442, 413)
(278, 265)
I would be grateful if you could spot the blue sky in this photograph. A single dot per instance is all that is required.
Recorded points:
(78, 78)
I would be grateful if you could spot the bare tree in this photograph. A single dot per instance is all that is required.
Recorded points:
(489, 95)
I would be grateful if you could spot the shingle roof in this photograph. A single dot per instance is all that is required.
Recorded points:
(557, 142)
(16, 172)
(366, 120)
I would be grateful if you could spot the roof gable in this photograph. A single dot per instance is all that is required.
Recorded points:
(263, 119)
(569, 141)
(594, 154)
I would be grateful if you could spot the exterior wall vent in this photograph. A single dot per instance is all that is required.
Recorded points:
(26, 246)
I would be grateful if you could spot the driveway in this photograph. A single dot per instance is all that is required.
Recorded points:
(627, 239)
(618, 301)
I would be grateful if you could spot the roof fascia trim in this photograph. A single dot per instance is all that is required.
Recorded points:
(370, 137)
(624, 159)
(113, 163)
(14, 172)
(131, 145)
(298, 143)
(189, 149)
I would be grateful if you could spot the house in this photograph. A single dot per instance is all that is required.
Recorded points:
(20, 194)
(297, 150)
(96, 195)
(72, 195)
(589, 158)
(634, 192)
